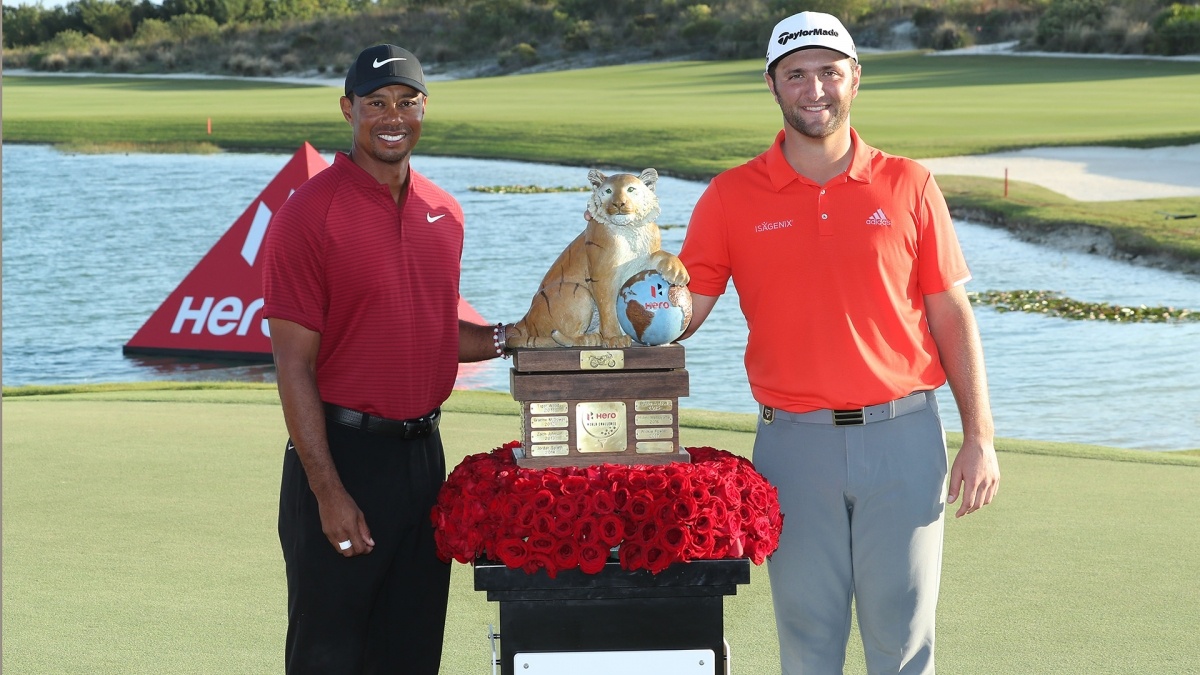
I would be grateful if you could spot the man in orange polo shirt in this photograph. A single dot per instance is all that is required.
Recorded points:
(851, 281)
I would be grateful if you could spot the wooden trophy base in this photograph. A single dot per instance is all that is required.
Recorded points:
(582, 406)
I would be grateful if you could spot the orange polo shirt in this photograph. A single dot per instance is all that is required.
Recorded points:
(832, 278)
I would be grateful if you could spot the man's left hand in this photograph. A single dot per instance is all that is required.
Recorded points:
(975, 475)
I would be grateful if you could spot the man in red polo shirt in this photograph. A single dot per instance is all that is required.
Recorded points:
(851, 281)
(360, 282)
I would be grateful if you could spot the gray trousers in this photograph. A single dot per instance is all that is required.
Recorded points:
(863, 508)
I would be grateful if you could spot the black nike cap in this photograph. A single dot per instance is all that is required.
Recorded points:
(382, 65)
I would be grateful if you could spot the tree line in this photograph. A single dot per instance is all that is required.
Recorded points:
(270, 37)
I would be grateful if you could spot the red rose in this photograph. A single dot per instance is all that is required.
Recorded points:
(656, 481)
(657, 559)
(540, 561)
(679, 483)
(513, 552)
(684, 508)
(648, 531)
(592, 558)
(674, 539)
(574, 485)
(587, 530)
(552, 482)
(543, 523)
(632, 555)
(566, 554)
(612, 529)
(636, 480)
(525, 485)
(663, 510)
(640, 505)
(562, 528)
(543, 500)
(603, 502)
(756, 496)
(701, 547)
(541, 543)
(621, 498)
(702, 524)
(566, 507)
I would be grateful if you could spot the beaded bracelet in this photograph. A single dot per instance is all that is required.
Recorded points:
(499, 339)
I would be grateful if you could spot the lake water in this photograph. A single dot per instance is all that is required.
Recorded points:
(94, 243)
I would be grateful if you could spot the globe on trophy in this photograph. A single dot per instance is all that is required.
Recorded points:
(653, 311)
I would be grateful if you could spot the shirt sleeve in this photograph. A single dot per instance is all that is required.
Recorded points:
(293, 264)
(705, 250)
(940, 262)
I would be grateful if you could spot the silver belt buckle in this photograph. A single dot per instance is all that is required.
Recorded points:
(849, 418)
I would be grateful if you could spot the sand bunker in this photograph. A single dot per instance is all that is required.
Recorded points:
(1093, 174)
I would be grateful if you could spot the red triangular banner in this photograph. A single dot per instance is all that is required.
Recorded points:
(216, 311)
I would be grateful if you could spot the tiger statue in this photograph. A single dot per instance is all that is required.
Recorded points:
(620, 239)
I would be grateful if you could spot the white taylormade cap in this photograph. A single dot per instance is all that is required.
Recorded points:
(809, 29)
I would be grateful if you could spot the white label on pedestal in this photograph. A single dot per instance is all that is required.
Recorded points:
(649, 662)
(653, 433)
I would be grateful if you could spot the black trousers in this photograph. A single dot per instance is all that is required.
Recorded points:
(384, 612)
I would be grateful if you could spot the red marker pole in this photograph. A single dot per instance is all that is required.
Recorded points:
(210, 134)
(1005, 177)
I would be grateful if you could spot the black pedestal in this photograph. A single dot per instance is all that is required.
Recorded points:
(613, 611)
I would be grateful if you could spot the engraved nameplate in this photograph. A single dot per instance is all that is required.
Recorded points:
(601, 359)
(653, 405)
(600, 426)
(550, 450)
(652, 447)
(652, 433)
(557, 436)
(553, 408)
(553, 422)
(653, 420)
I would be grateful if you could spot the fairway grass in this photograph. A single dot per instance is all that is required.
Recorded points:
(139, 537)
(687, 119)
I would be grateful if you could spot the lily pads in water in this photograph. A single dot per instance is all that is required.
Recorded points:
(1052, 303)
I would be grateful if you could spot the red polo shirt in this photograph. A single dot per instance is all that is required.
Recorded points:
(379, 284)
(832, 278)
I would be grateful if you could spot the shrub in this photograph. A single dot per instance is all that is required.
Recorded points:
(1177, 30)
(152, 31)
(189, 27)
(53, 62)
(519, 56)
(1069, 19)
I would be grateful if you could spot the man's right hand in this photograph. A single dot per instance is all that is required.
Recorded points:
(342, 521)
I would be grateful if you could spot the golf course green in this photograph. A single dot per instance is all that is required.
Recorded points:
(139, 537)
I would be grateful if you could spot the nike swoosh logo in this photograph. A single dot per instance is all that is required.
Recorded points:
(377, 63)
(432, 218)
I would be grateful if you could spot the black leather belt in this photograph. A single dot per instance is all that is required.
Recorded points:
(419, 427)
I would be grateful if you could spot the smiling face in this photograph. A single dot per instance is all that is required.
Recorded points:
(815, 89)
(386, 124)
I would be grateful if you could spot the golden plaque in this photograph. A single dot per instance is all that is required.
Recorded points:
(653, 420)
(548, 422)
(556, 450)
(653, 405)
(551, 408)
(555, 436)
(653, 433)
(601, 359)
(601, 427)
(652, 447)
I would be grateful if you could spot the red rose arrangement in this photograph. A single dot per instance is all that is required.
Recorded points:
(564, 518)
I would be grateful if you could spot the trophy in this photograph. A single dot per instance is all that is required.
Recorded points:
(593, 367)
